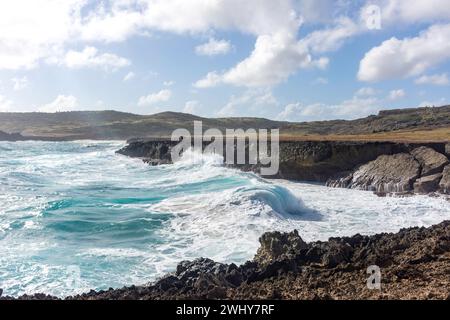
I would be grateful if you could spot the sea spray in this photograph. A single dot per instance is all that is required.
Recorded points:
(68, 206)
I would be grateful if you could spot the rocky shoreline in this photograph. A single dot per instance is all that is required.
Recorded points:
(414, 264)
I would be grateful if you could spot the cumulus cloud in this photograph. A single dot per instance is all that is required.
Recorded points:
(435, 79)
(61, 103)
(213, 47)
(273, 60)
(89, 57)
(168, 83)
(151, 99)
(210, 80)
(409, 57)
(129, 76)
(19, 83)
(332, 38)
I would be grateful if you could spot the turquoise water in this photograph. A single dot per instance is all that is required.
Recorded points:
(75, 216)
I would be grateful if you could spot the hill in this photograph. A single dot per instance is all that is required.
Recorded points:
(430, 124)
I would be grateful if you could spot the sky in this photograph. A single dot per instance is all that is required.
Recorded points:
(296, 60)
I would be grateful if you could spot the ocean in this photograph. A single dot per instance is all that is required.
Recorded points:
(75, 216)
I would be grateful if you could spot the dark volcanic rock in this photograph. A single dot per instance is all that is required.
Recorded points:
(279, 246)
(427, 184)
(157, 152)
(432, 162)
(444, 184)
(415, 263)
(387, 174)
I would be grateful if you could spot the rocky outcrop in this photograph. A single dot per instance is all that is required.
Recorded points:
(419, 171)
(279, 246)
(157, 152)
(387, 174)
(316, 161)
(381, 167)
(431, 162)
(427, 184)
(444, 184)
(414, 264)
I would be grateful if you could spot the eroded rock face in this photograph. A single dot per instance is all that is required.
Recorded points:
(387, 174)
(277, 245)
(432, 162)
(427, 184)
(444, 184)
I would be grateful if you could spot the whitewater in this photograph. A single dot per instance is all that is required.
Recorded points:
(78, 207)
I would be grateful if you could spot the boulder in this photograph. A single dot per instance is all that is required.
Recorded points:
(432, 162)
(444, 185)
(278, 246)
(387, 174)
(447, 149)
(427, 184)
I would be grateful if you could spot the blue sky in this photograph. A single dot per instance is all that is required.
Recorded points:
(289, 59)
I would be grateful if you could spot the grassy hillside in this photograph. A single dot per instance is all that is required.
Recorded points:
(421, 124)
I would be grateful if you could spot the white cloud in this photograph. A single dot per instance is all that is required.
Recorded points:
(129, 76)
(34, 30)
(161, 96)
(409, 57)
(213, 47)
(90, 58)
(332, 38)
(191, 107)
(19, 83)
(396, 94)
(274, 59)
(5, 104)
(435, 79)
(212, 79)
(49, 28)
(279, 54)
(61, 103)
(406, 12)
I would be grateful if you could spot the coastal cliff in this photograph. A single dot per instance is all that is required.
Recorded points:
(383, 167)
(413, 263)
